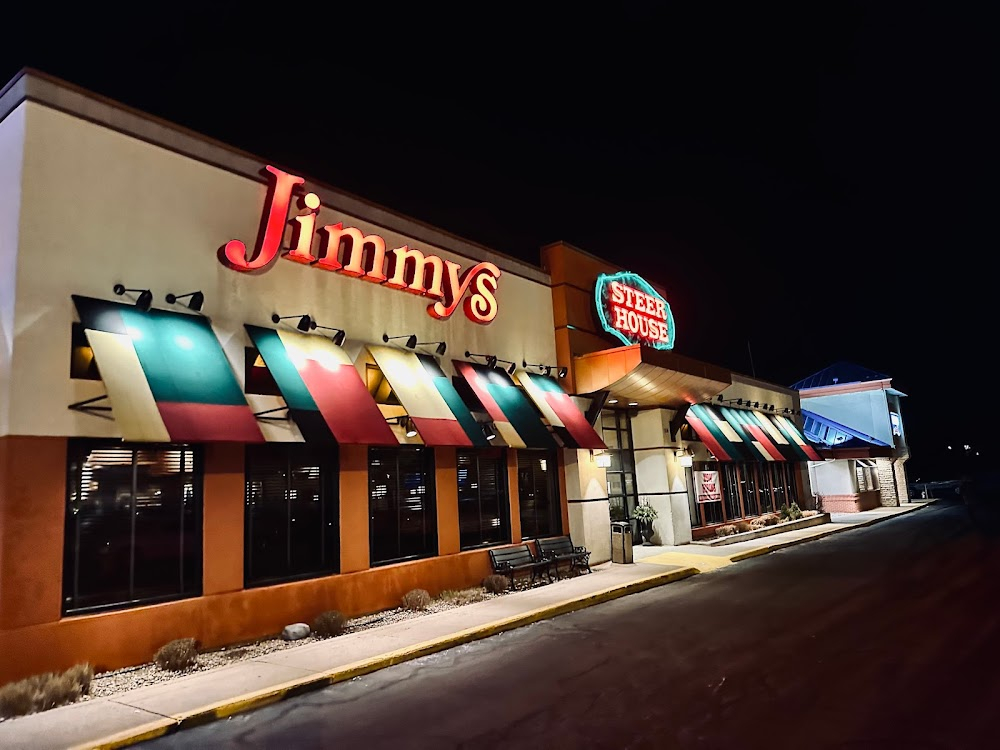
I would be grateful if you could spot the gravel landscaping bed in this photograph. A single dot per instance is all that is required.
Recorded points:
(107, 684)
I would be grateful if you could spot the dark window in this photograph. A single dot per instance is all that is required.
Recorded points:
(402, 517)
(82, 365)
(622, 493)
(259, 380)
(133, 524)
(483, 503)
(538, 495)
(292, 516)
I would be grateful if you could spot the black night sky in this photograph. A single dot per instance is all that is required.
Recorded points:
(809, 183)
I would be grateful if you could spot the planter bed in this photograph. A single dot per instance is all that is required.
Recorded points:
(802, 523)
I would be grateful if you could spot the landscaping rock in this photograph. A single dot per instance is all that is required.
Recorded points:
(295, 632)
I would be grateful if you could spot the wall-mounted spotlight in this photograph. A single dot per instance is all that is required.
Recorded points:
(511, 366)
(492, 361)
(546, 369)
(440, 349)
(195, 303)
(411, 339)
(305, 323)
(337, 338)
(489, 431)
(144, 301)
(407, 424)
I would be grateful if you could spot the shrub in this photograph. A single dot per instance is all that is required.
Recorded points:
(794, 512)
(741, 526)
(82, 675)
(416, 599)
(496, 583)
(727, 530)
(177, 655)
(328, 624)
(45, 691)
(462, 596)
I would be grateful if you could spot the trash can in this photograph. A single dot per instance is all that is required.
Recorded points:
(621, 542)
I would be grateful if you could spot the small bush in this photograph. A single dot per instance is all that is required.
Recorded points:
(328, 624)
(177, 655)
(794, 512)
(462, 596)
(770, 519)
(44, 691)
(727, 530)
(742, 526)
(496, 584)
(416, 599)
(82, 675)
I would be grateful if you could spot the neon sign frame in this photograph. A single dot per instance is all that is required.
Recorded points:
(602, 294)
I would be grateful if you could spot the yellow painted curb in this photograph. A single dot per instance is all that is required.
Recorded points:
(277, 693)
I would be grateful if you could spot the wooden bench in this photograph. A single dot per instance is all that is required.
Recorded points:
(561, 550)
(519, 559)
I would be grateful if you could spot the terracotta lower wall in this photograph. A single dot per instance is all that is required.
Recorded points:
(117, 639)
(34, 637)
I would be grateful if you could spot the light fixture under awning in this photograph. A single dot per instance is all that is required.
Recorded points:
(507, 405)
(325, 395)
(428, 397)
(167, 377)
(559, 410)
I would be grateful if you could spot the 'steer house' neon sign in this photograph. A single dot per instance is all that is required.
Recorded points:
(630, 309)
(352, 252)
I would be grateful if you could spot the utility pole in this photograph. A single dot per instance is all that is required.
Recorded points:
(753, 372)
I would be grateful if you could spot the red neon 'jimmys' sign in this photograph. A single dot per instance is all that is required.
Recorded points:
(352, 252)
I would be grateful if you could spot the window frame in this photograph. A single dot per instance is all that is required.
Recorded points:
(329, 486)
(428, 506)
(191, 581)
(503, 495)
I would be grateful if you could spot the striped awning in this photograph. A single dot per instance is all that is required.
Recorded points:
(167, 377)
(746, 435)
(515, 419)
(559, 410)
(325, 395)
(428, 397)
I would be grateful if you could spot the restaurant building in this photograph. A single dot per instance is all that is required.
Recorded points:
(233, 397)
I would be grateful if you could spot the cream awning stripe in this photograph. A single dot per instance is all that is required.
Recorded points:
(132, 401)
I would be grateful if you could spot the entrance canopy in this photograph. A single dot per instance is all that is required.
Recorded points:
(649, 377)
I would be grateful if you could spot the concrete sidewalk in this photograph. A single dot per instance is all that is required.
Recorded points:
(201, 697)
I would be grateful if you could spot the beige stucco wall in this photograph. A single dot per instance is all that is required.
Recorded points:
(589, 511)
(11, 150)
(100, 207)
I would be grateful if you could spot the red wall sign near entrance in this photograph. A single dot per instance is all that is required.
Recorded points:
(352, 252)
(629, 308)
